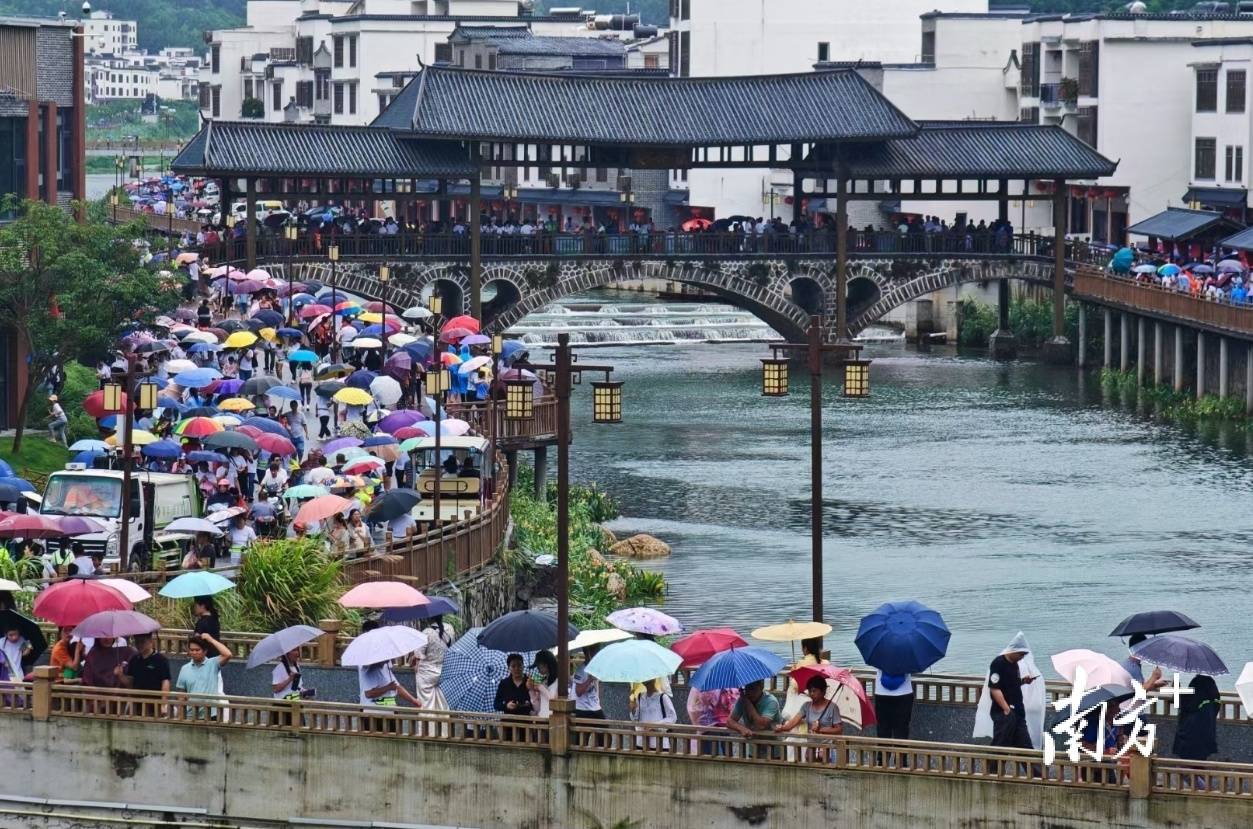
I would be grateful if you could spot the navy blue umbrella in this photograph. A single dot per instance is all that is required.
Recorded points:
(205, 456)
(902, 638)
(437, 606)
(736, 668)
(1180, 653)
(361, 379)
(269, 317)
(6, 470)
(393, 504)
(166, 450)
(24, 485)
(1154, 621)
(87, 457)
(201, 411)
(290, 333)
(523, 630)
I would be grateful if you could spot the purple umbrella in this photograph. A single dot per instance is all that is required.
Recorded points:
(78, 525)
(245, 286)
(476, 339)
(229, 387)
(644, 620)
(399, 420)
(114, 623)
(340, 443)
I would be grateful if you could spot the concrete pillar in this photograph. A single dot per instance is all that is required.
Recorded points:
(1200, 364)
(1124, 341)
(1109, 337)
(1140, 349)
(1157, 352)
(476, 247)
(1059, 350)
(1081, 356)
(1222, 366)
(541, 472)
(1178, 384)
(250, 216)
(1002, 343)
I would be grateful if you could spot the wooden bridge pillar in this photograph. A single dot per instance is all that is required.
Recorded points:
(541, 472)
(1109, 337)
(1081, 354)
(1058, 348)
(1002, 343)
(250, 216)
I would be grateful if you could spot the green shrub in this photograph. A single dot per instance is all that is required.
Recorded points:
(288, 582)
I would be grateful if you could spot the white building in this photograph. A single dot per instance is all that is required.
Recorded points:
(107, 35)
(111, 79)
(1222, 127)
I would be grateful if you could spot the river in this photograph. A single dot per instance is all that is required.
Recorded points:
(1007, 496)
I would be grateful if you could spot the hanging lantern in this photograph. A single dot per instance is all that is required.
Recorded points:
(148, 396)
(607, 401)
(113, 397)
(498, 344)
(774, 377)
(857, 378)
(519, 399)
(332, 252)
(438, 381)
(435, 304)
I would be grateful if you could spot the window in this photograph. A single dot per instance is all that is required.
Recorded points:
(217, 101)
(1089, 55)
(1030, 79)
(478, 61)
(928, 47)
(1239, 176)
(1029, 115)
(461, 57)
(247, 87)
(1086, 126)
(491, 61)
(1235, 90)
(685, 56)
(1207, 90)
(304, 94)
(277, 95)
(304, 50)
(339, 98)
(1204, 160)
(443, 53)
(652, 61)
(338, 43)
(352, 50)
(203, 93)
(215, 58)
(685, 9)
(352, 98)
(824, 51)
(602, 174)
(322, 81)
(1234, 163)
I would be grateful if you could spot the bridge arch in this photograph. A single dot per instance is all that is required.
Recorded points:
(807, 293)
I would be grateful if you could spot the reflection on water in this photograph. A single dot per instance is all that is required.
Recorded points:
(1006, 496)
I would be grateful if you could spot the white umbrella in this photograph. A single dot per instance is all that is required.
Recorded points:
(417, 312)
(385, 390)
(603, 636)
(177, 366)
(401, 339)
(382, 645)
(1244, 687)
(201, 337)
(133, 592)
(366, 342)
(191, 526)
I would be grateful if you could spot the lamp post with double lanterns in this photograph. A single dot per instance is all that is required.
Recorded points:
(385, 276)
(118, 398)
(332, 255)
(774, 383)
(606, 408)
(438, 381)
(291, 233)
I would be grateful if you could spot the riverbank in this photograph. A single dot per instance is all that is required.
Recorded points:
(1161, 401)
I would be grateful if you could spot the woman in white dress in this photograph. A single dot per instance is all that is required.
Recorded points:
(428, 666)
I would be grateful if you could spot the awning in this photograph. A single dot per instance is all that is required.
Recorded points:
(1178, 224)
(1241, 241)
(675, 197)
(1217, 198)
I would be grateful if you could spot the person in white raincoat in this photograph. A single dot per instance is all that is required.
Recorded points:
(1033, 696)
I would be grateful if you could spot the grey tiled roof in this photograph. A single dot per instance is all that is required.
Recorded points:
(1178, 223)
(814, 106)
(1241, 241)
(241, 147)
(980, 150)
(490, 32)
(577, 46)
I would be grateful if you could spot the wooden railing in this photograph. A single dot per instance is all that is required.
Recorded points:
(488, 418)
(156, 221)
(1147, 298)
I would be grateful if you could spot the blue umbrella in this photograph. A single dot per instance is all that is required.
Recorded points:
(635, 660)
(511, 349)
(436, 606)
(269, 316)
(201, 411)
(302, 355)
(108, 422)
(195, 583)
(524, 630)
(472, 673)
(1180, 653)
(204, 348)
(166, 450)
(361, 379)
(197, 378)
(284, 393)
(205, 456)
(87, 457)
(290, 333)
(1169, 269)
(22, 484)
(7, 470)
(379, 440)
(267, 425)
(420, 350)
(302, 299)
(902, 637)
(736, 668)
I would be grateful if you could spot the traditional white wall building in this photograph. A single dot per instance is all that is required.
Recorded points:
(1222, 127)
(108, 35)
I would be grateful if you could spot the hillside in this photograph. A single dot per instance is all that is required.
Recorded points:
(161, 22)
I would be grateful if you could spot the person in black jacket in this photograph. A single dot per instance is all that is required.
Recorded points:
(1196, 737)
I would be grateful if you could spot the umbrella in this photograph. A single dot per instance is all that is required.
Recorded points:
(333, 446)
(1244, 687)
(463, 321)
(435, 606)
(524, 630)
(313, 310)
(472, 672)
(1169, 269)
(449, 426)
(266, 424)
(1097, 667)
(1231, 266)
(324, 507)
(29, 628)
(192, 526)
(115, 623)
(259, 385)
(381, 594)
(473, 364)
(644, 620)
(93, 404)
(393, 504)
(293, 334)
(1153, 621)
(223, 515)
(201, 411)
(736, 668)
(276, 445)
(70, 602)
(386, 391)
(134, 593)
(382, 645)
(280, 643)
(791, 631)
(240, 339)
(166, 450)
(604, 636)
(197, 427)
(352, 397)
(417, 312)
(330, 371)
(305, 491)
(78, 525)
(270, 317)
(27, 525)
(1180, 653)
(284, 393)
(633, 660)
(9, 586)
(205, 456)
(360, 379)
(195, 583)
(85, 445)
(844, 689)
(697, 648)
(365, 342)
(231, 440)
(139, 437)
(302, 355)
(237, 404)
(197, 378)
(364, 466)
(476, 339)
(902, 637)
(696, 224)
(399, 420)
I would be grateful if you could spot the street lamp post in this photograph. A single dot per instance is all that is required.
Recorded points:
(290, 233)
(385, 276)
(437, 385)
(332, 254)
(856, 384)
(117, 398)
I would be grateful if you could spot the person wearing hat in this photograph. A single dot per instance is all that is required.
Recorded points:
(1009, 721)
(57, 421)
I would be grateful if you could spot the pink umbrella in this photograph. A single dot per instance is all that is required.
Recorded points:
(450, 426)
(133, 592)
(114, 623)
(363, 466)
(645, 620)
(844, 689)
(1098, 668)
(70, 602)
(26, 525)
(275, 444)
(383, 594)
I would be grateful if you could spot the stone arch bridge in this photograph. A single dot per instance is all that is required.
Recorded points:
(784, 292)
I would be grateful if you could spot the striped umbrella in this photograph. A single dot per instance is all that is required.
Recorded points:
(472, 673)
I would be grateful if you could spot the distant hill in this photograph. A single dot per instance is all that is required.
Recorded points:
(161, 22)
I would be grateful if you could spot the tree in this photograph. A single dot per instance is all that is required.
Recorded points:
(67, 289)
(252, 108)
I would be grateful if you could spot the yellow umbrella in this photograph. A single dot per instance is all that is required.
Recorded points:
(791, 631)
(353, 396)
(237, 404)
(240, 339)
(268, 334)
(370, 316)
(139, 437)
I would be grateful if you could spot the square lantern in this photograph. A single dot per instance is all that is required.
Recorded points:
(147, 396)
(857, 378)
(438, 382)
(498, 344)
(332, 252)
(113, 396)
(607, 401)
(291, 233)
(435, 304)
(774, 377)
(519, 399)
(385, 274)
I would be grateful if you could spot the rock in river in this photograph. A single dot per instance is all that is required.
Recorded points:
(641, 546)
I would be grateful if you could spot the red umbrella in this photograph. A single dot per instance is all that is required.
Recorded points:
(406, 432)
(844, 689)
(198, 427)
(315, 310)
(463, 321)
(697, 648)
(251, 431)
(70, 602)
(93, 404)
(275, 444)
(28, 525)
